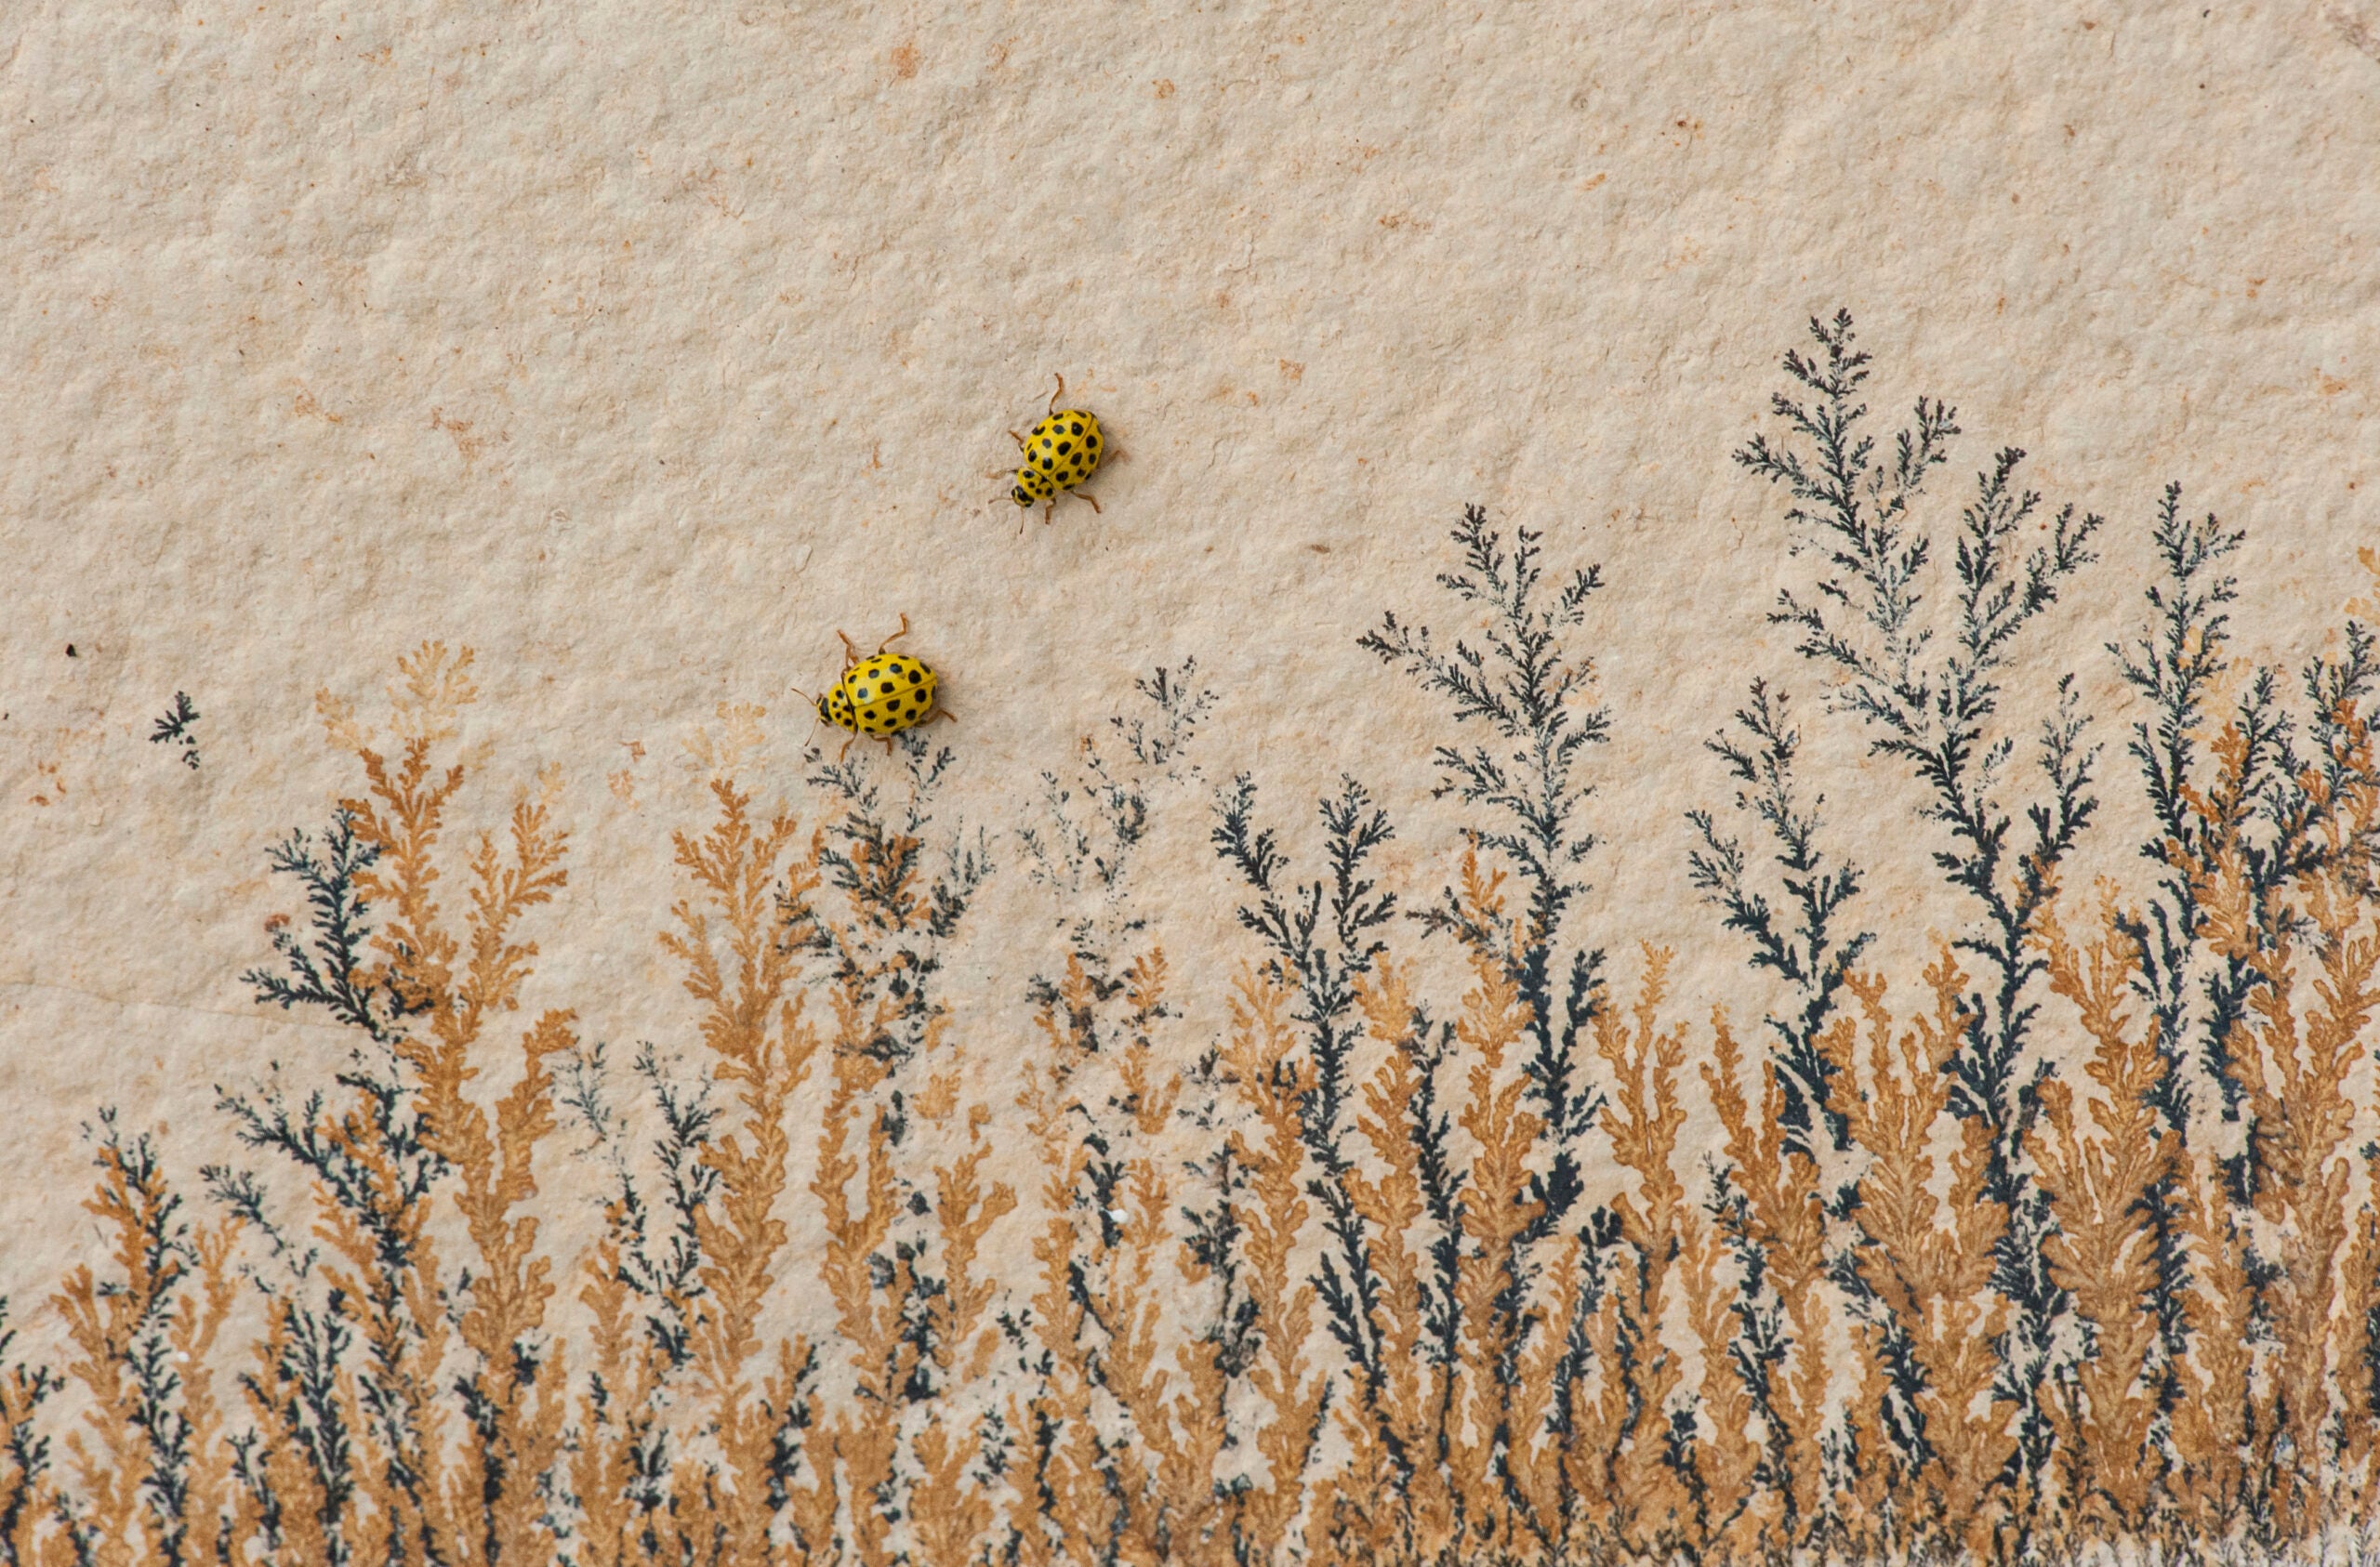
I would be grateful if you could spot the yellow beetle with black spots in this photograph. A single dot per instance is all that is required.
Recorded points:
(882, 694)
(1061, 452)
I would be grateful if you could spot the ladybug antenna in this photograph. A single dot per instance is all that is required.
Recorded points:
(1059, 393)
(817, 712)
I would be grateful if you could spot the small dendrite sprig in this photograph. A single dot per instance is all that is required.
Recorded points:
(173, 728)
(1800, 945)
(2339, 691)
(242, 1192)
(1322, 936)
(378, 1184)
(1074, 849)
(333, 973)
(660, 1254)
(903, 901)
(1179, 703)
(583, 1087)
(2176, 662)
(1526, 688)
(876, 856)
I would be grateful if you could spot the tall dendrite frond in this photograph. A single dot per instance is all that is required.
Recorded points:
(1533, 692)
(1927, 685)
(1320, 939)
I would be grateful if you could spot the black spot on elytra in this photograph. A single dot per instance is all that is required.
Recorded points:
(915, 677)
(1065, 447)
(1077, 428)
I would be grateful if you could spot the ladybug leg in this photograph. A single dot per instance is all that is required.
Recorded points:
(1085, 495)
(850, 653)
(844, 754)
(1018, 438)
(888, 745)
(894, 637)
(1059, 393)
(940, 712)
(1049, 511)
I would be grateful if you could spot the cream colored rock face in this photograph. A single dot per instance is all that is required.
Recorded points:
(1540, 940)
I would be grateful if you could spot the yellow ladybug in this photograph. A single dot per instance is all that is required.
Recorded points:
(1063, 451)
(882, 694)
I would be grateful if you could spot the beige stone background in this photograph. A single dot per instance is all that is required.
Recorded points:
(642, 347)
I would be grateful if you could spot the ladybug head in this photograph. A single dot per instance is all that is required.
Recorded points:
(1021, 496)
(822, 712)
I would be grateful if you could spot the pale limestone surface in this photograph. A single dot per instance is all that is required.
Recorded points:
(640, 348)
